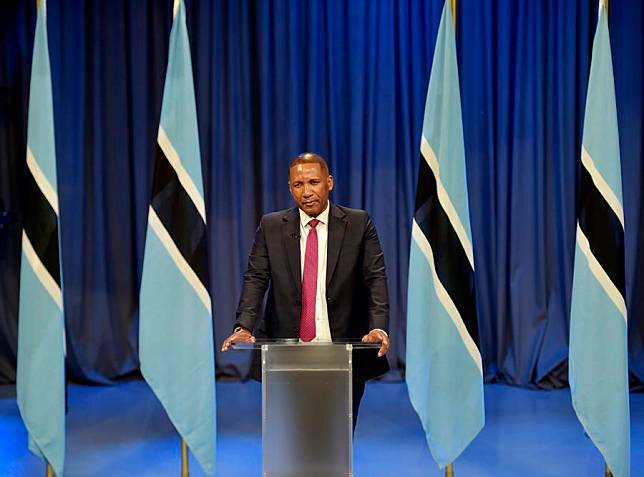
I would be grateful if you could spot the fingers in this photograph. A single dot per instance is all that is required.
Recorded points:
(377, 336)
(372, 337)
(239, 337)
(226, 344)
(384, 348)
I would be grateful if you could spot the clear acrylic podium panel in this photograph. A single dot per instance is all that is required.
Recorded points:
(307, 421)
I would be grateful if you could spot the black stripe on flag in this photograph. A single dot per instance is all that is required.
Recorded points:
(179, 216)
(452, 265)
(41, 226)
(604, 231)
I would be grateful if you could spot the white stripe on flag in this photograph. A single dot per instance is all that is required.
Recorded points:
(445, 201)
(599, 273)
(602, 185)
(41, 180)
(182, 174)
(178, 259)
(41, 272)
(443, 296)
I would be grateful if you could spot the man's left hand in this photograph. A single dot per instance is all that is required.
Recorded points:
(378, 336)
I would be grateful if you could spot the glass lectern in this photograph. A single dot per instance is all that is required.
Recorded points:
(306, 407)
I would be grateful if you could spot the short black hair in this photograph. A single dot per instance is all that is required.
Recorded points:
(309, 158)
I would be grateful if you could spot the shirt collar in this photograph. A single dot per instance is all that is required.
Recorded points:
(322, 217)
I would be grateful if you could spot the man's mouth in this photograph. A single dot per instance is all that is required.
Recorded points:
(309, 203)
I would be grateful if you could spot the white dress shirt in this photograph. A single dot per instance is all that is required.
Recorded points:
(322, 330)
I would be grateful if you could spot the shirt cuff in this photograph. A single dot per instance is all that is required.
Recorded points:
(380, 329)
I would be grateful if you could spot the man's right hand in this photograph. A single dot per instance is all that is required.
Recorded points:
(241, 335)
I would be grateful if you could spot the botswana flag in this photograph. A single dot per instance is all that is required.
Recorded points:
(40, 379)
(175, 331)
(444, 371)
(598, 359)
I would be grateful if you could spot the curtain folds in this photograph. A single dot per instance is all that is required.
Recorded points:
(347, 79)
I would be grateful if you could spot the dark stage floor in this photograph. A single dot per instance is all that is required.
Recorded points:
(123, 431)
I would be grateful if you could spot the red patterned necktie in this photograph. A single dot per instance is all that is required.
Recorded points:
(309, 284)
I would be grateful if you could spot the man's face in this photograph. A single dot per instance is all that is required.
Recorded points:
(310, 187)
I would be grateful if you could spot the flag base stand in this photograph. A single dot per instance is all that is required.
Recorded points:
(607, 472)
(184, 459)
(449, 470)
(49, 472)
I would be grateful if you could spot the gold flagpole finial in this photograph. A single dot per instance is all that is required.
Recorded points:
(49, 472)
(604, 3)
(38, 4)
(449, 470)
(452, 4)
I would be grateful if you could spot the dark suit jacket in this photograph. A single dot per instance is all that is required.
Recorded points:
(356, 284)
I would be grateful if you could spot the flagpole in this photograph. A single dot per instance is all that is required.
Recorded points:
(607, 472)
(49, 470)
(449, 469)
(184, 459)
(453, 6)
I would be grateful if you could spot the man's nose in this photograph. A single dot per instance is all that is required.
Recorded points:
(307, 191)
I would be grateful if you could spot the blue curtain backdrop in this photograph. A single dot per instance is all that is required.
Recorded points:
(347, 79)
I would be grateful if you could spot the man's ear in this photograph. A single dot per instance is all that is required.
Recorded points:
(329, 181)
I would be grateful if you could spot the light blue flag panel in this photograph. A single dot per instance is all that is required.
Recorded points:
(444, 369)
(175, 330)
(598, 331)
(40, 379)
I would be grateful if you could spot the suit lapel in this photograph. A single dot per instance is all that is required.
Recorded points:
(291, 241)
(337, 228)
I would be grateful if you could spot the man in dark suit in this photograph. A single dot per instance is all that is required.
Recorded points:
(324, 271)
